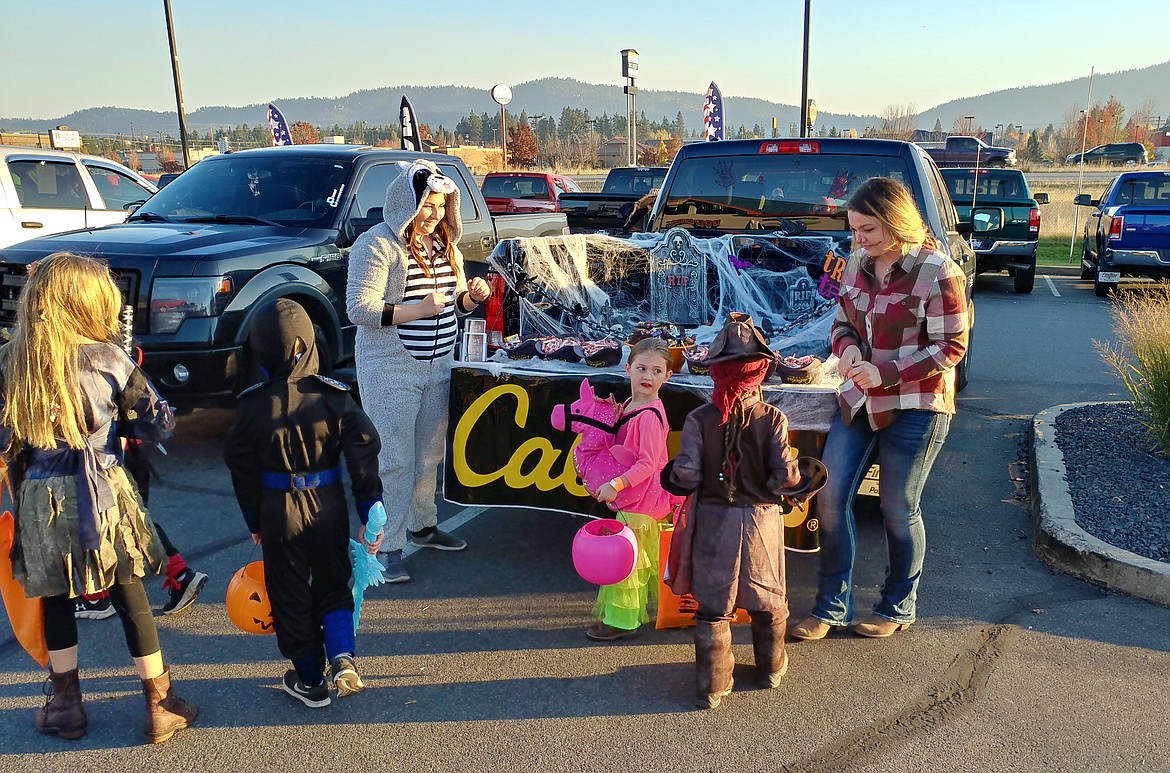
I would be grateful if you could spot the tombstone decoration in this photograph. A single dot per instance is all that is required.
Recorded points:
(678, 281)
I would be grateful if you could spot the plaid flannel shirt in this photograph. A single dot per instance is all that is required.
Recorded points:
(914, 329)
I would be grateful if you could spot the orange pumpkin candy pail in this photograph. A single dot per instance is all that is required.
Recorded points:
(248, 606)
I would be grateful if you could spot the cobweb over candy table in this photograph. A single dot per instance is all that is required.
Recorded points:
(595, 287)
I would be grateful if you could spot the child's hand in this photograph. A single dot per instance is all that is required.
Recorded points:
(606, 493)
(372, 547)
(256, 539)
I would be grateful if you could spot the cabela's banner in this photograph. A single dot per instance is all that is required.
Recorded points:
(502, 449)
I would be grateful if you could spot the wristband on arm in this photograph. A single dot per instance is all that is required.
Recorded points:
(388, 314)
(465, 295)
(618, 484)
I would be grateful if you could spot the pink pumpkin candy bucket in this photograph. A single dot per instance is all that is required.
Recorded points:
(605, 551)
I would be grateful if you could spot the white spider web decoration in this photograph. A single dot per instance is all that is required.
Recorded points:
(599, 286)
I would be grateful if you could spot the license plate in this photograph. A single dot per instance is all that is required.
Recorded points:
(1108, 276)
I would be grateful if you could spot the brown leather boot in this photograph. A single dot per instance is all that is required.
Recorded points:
(165, 712)
(768, 646)
(63, 714)
(713, 663)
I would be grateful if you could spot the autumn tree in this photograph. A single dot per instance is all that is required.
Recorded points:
(522, 146)
(303, 133)
(673, 147)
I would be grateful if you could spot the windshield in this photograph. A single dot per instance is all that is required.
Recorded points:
(290, 191)
(515, 188)
(639, 181)
(993, 183)
(786, 192)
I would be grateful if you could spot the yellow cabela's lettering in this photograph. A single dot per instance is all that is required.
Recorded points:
(535, 452)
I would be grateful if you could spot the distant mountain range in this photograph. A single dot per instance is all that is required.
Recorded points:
(1029, 106)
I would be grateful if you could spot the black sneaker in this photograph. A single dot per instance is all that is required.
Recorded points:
(313, 697)
(439, 540)
(393, 569)
(98, 609)
(190, 583)
(346, 679)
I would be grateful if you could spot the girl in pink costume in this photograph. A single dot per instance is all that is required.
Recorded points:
(621, 608)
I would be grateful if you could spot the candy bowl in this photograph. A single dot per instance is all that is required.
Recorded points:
(696, 360)
(799, 370)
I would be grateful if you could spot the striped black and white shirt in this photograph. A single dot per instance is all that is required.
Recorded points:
(429, 339)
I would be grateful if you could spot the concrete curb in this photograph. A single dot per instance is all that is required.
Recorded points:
(1064, 545)
(1073, 269)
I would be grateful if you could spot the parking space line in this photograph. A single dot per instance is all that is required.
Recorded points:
(1051, 286)
(451, 524)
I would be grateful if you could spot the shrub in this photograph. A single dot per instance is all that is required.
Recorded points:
(1141, 356)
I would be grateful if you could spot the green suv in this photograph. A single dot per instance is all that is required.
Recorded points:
(1007, 227)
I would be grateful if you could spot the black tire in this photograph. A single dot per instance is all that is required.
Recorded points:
(1025, 279)
(1086, 272)
(963, 369)
(325, 355)
(1102, 289)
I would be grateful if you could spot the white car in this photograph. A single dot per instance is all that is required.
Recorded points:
(46, 192)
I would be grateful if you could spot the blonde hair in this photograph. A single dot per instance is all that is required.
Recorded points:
(444, 232)
(653, 345)
(891, 203)
(68, 300)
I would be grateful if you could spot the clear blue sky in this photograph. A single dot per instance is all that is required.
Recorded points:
(66, 55)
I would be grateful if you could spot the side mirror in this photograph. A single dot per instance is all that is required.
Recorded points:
(986, 219)
(1084, 200)
(963, 228)
(132, 206)
(1041, 198)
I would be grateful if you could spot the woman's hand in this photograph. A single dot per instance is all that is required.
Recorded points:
(866, 375)
(478, 289)
(849, 360)
(432, 305)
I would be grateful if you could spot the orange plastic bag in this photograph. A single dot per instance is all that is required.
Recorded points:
(23, 613)
(676, 611)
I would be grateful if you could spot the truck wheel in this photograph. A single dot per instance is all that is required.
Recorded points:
(963, 369)
(1025, 279)
(324, 351)
(1102, 289)
(1086, 271)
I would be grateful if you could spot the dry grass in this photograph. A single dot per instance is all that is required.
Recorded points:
(1141, 356)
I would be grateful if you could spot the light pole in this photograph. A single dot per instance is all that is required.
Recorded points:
(178, 85)
(536, 119)
(1081, 166)
(969, 119)
(592, 155)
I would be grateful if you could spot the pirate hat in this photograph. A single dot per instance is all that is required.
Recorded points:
(738, 340)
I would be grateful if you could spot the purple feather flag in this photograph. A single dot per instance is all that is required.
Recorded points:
(713, 114)
(276, 122)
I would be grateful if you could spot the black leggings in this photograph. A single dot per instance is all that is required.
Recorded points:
(132, 606)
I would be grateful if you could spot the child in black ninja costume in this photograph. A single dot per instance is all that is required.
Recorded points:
(284, 453)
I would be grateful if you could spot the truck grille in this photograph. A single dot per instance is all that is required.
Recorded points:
(14, 276)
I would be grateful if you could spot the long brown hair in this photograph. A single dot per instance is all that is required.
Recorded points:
(444, 233)
(68, 300)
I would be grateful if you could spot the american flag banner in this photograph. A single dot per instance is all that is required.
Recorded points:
(276, 122)
(713, 114)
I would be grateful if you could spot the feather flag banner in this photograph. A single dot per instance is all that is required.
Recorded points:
(713, 114)
(276, 122)
(410, 138)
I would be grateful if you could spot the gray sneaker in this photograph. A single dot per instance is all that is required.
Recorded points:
(434, 538)
(393, 569)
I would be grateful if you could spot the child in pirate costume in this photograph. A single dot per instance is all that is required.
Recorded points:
(284, 453)
(735, 460)
(406, 290)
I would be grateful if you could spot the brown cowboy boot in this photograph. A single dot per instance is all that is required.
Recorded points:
(768, 645)
(63, 714)
(713, 663)
(165, 712)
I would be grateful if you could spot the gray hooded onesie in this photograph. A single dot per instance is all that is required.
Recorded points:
(406, 398)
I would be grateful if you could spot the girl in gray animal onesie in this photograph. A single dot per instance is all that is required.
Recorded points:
(406, 290)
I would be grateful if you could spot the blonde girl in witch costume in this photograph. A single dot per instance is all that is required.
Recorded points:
(621, 608)
(70, 394)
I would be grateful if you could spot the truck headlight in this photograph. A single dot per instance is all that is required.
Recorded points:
(174, 299)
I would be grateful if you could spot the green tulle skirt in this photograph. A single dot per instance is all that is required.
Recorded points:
(626, 604)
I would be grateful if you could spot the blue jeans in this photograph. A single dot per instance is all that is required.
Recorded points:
(906, 451)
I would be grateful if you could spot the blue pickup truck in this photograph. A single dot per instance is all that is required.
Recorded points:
(1128, 233)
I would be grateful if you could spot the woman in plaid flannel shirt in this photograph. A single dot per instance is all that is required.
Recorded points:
(901, 329)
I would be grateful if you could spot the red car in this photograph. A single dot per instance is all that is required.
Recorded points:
(510, 192)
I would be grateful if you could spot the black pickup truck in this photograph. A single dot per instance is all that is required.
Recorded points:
(968, 151)
(235, 230)
(609, 210)
(799, 188)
